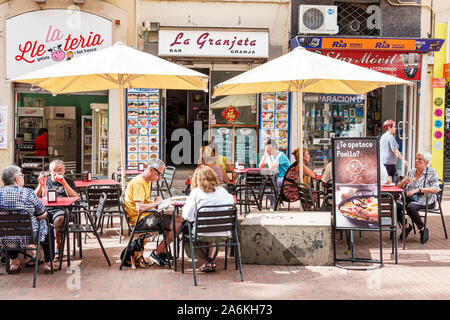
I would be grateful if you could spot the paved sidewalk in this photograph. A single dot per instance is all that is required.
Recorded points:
(423, 272)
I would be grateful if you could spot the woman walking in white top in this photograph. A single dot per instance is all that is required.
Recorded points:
(206, 191)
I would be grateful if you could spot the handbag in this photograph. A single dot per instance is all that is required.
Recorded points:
(416, 197)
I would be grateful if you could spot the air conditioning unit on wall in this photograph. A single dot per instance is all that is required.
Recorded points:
(318, 19)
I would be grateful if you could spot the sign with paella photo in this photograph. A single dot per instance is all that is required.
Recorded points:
(356, 183)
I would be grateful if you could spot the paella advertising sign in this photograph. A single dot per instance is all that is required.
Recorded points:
(356, 183)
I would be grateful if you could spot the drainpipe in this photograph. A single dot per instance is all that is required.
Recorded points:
(413, 4)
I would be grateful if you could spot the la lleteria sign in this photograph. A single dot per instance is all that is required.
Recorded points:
(210, 43)
(41, 38)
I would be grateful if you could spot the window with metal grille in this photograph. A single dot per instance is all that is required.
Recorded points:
(353, 17)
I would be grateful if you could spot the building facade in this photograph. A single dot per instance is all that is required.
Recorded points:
(387, 36)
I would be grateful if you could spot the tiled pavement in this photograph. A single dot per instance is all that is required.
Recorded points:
(423, 272)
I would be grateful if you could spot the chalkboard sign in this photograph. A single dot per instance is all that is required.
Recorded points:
(245, 140)
(223, 136)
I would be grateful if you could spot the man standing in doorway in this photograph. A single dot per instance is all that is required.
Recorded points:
(389, 148)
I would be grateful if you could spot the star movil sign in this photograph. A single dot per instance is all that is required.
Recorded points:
(41, 38)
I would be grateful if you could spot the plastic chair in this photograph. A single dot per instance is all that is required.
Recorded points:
(14, 222)
(212, 219)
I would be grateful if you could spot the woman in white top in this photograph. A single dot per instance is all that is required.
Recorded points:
(206, 191)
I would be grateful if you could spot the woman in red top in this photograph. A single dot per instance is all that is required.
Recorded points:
(41, 143)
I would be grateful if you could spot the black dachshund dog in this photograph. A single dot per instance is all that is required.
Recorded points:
(136, 252)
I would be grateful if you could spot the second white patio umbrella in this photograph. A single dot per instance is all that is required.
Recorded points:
(116, 67)
(304, 71)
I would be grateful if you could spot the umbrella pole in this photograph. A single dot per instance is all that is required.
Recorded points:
(300, 135)
(122, 133)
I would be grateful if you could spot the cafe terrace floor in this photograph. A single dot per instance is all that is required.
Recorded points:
(423, 272)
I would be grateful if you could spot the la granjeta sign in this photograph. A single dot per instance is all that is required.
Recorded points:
(52, 36)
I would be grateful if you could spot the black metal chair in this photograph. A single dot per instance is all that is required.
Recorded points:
(251, 191)
(389, 219)
(91, 226)
(212, 219)
(112, 204)
(14, 222)
(434, 210)
(133, 230)
(165, 184)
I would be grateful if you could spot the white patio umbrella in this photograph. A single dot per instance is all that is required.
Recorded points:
(116, 67)
(304, 71)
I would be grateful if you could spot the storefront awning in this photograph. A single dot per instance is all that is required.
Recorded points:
(242, 100)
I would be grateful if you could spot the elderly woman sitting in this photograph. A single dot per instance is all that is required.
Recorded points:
(14, 196)
(420, 183)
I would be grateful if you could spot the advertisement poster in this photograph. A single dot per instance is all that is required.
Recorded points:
(274, 119)
(3, 127)
(356, 183)
(143, 126)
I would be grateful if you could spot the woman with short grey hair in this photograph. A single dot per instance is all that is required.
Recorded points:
(14, 196)
(421, 182)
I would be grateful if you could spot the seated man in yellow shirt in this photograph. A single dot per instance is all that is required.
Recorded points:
(137, 200)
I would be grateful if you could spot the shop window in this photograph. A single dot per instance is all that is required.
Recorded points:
(244, 107)
(359, 18)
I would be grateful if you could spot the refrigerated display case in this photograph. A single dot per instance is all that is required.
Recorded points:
(274, 119)
(86, 143)
(325, 116)
(62, 133)
(99, 139)
(143, 134)
(30, 120)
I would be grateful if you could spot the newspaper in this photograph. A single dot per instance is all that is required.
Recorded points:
(166, 203)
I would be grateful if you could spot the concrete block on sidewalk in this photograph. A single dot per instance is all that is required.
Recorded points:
(287, 238)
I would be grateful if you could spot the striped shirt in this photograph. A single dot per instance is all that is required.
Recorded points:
(24, 199)
(432, 181)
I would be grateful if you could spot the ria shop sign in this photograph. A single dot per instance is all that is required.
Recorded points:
(211, 43)
(41, 38)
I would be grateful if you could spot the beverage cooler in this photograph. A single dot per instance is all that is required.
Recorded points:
(30, 121)
(99, 139)
(86, 143)
(62, 134)
(328, 115)
(143, 134)
(274, 119)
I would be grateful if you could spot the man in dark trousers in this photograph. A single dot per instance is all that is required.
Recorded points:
(64, 186)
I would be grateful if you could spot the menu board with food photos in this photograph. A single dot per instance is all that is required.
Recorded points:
(143, 126)
(274, 119)
(245, 145)
(223, 136)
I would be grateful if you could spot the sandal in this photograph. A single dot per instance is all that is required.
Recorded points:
(208, 266)
(47, 268)
(56, 257)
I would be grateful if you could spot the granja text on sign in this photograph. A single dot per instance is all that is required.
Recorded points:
(58, 46)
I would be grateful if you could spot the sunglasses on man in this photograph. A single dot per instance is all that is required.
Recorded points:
(159, 173)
